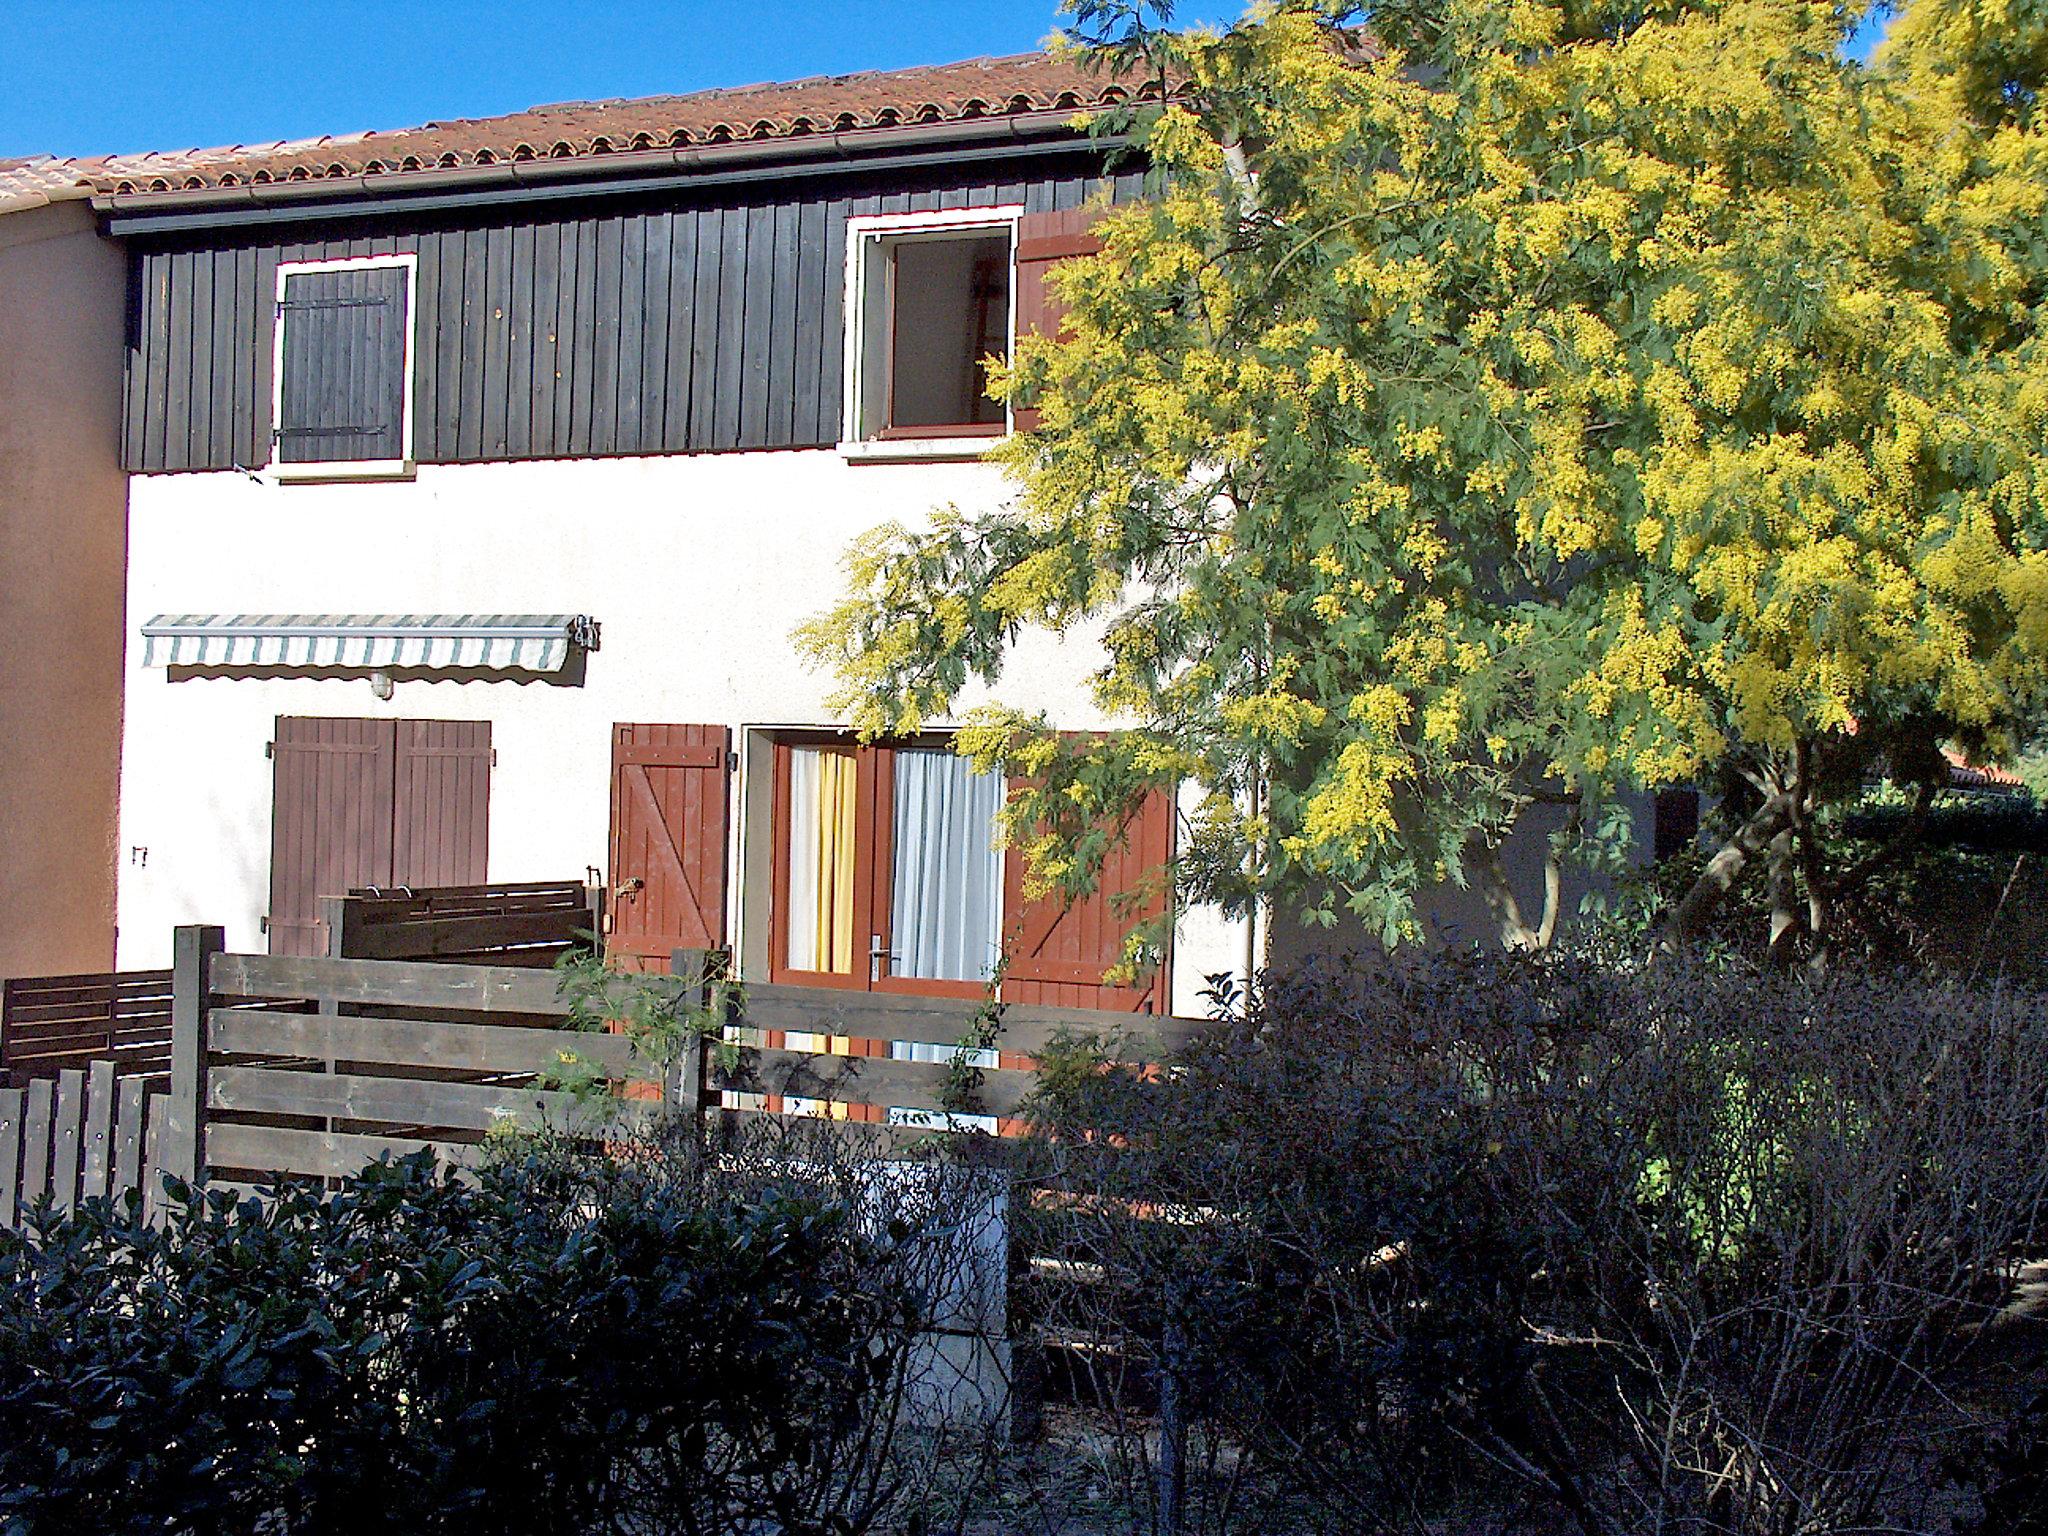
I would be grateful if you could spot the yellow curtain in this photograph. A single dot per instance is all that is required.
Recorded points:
(835, 861)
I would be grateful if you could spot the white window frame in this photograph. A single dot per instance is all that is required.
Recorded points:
(350, 469)
(864, 232)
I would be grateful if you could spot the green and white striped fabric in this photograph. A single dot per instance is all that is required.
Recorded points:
(492, 642)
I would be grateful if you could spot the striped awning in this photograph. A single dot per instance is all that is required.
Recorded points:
(494, 642)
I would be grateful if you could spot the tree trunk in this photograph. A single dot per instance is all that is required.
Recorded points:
(1783, 876)
(1689, 918)
(1516, 932)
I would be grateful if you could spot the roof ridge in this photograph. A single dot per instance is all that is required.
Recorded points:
(802, 82)
(987, 86)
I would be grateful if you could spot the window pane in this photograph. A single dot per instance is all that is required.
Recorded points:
(947, 885)
(952, 310)
(821, 822)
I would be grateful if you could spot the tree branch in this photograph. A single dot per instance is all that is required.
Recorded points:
(1690, 916)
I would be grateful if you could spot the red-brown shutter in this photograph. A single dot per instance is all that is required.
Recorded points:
(1058, 951)
(442, 804)
(1043, 240)
(330, 824)
(668, 842)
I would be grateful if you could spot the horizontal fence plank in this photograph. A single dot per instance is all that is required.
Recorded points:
(88, 983)
(415, 1102)
(264, 1149)
(873, 1080)
(390, 983)
(427, 938)
(770, 1130)
(944, 1021)
(498, 1048)
(570, 891)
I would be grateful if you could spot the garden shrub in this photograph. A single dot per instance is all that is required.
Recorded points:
(1676, 1249)
(570, 1344)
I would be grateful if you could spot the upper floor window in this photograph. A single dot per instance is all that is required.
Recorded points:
(930, 300)
(341, 372)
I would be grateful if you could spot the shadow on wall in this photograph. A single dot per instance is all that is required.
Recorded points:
(572, 674)
(1452, 915)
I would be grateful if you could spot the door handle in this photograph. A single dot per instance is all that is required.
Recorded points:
(877, 954)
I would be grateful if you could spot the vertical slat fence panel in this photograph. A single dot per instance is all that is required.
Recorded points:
(35, 1150)
(99, 1128)
(65, 1142)
(10, 1155)
(127, 1166)
(155, 1136)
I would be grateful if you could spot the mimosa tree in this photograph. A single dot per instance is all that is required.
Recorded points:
(1507, 404)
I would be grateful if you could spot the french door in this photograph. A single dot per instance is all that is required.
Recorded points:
(888, 877)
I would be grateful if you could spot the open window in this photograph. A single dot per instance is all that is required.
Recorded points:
(930, 300)
(341, 368)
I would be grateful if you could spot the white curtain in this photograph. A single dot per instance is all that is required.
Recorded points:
(801, 921)
(821, 861)
(946, 904)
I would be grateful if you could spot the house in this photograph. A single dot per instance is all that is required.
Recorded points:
(479, 473)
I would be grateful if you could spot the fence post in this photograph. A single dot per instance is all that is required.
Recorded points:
(1173, 1418)
(338, 914)
(695, 970)
(184, 1143)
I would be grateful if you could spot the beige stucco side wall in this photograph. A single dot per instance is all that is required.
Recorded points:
(63, 509)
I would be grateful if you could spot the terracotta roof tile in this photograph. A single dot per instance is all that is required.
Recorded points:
(1964, 774)
(976, 88)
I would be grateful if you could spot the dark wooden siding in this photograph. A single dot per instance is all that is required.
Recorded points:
(668, 329)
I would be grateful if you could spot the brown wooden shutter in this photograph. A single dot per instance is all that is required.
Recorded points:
(331, 821)
(1043, 240)
(442, 803)
(1058, 952)
(668, 842)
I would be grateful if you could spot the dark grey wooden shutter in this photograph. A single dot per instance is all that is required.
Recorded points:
(341, 394)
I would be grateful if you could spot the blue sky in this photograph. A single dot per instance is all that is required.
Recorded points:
(93, 76)
(81, 77)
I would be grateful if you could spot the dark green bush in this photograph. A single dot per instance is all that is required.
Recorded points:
(570, 1344)
(1665, 1250)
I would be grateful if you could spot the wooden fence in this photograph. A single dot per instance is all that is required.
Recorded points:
(52, 1023)
(312, 1067)
(532, 924)
(82, 1133)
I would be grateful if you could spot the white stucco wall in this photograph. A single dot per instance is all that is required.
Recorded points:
(698, 567)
